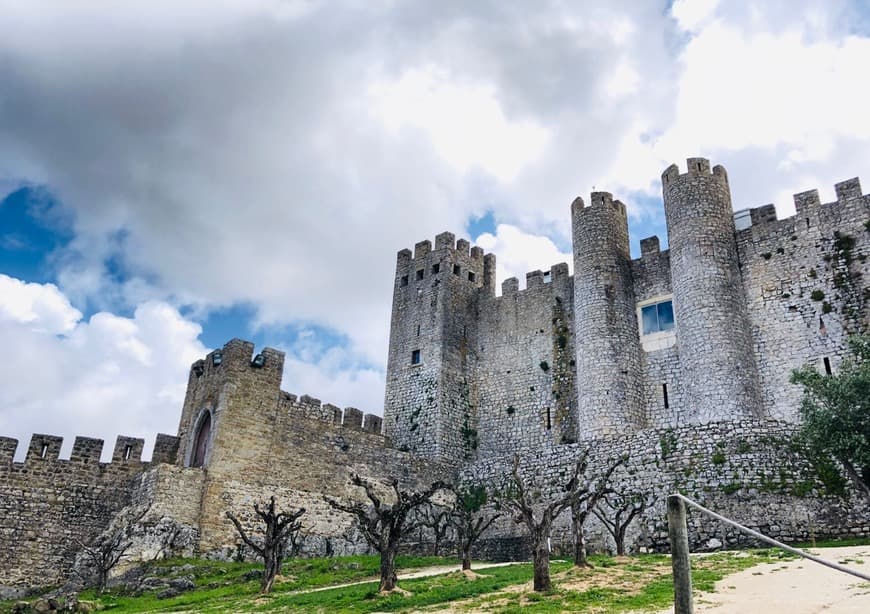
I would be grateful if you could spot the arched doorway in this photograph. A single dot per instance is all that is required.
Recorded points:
(201, 440)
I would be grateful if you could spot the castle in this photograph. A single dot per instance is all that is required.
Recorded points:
(678, 360)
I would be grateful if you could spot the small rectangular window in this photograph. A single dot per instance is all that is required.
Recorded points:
(658, 317)
(128, 449)
(436, 268)
(420, 274)
(418, 330)
(549, 422)
(415, 357)
(404, 281)
(665, 395)
(827, 362)
(456, 269)
(470, 276)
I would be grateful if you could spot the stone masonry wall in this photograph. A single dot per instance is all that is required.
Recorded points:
(747, 471)
(807, 281)
(660, 357)
(267, 442)
(525, 364)
(608, 362)
(49, 505)
(717, 364)
(430, 401)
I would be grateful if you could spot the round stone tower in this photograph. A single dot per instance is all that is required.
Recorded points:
(605, 325)
(717, 363)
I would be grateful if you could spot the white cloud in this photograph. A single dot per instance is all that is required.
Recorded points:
(331, 381)
(278, 154)
(104, 377)
(518, 252)
(464, 122)
(39, 307)
(691, 14)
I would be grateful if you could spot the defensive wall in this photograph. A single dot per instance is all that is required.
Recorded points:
(545, 372)
(750, 471)
(49, 506)
(565, 359)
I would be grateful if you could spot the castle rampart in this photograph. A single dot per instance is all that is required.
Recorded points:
(678, 359)
(49, 505)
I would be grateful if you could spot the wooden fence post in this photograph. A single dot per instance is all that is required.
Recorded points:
(679, 536)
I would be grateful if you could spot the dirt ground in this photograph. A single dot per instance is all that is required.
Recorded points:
(797, 586)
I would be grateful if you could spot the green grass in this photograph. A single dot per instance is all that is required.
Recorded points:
(641, 582)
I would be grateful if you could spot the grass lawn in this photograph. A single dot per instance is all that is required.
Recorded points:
(621, 584)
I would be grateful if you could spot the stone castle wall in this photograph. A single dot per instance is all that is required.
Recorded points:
(751, 303)
(807, 281)
(524, 370)
(748, 471)
(474, 378)
(267, 442)
(49, 505)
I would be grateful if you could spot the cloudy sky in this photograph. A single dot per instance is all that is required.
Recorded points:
(174, 174)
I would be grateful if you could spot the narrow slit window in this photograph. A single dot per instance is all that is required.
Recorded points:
(127, 451)
(436, 268)
(665, 396)
(456, 269)
(827, 362)
(549, 422)
(43, 451)
(420, 274)
(415, 357)
(404, 281)
(470, 276)
(418, 330)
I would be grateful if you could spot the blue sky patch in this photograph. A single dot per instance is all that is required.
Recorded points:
(32, 228)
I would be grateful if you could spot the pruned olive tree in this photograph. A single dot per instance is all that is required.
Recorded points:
(469, 519)
(281, 528)
(383, 524)
(103, 553)
(585, 491)
(530, 507)
(617, 510)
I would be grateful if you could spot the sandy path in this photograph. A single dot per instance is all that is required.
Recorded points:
(794, 587)
(423, 572)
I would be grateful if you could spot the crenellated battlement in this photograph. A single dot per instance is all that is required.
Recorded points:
(536, 282)
(760, 224)
(449, 257)
(312, 408)
(650, 247)
(127, 451)
(695, 167)
(598, 201)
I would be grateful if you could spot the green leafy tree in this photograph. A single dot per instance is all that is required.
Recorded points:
(836, 412)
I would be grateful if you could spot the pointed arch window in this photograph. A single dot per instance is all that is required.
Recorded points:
(200, 442)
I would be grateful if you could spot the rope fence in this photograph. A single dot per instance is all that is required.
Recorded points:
(679, 538)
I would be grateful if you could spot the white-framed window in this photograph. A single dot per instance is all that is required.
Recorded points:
(655, 319)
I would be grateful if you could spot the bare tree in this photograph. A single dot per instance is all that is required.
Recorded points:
(281, 527)
(106, 550)
(585, 492)
(384, 525)
(620, 510)
(436, 518)
(523, 503)
(468, 520)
